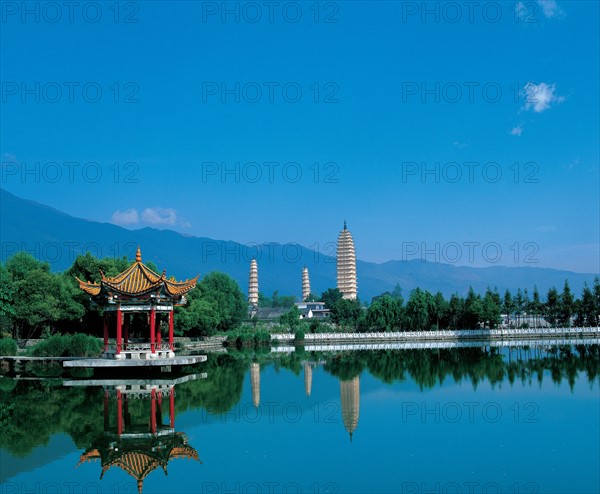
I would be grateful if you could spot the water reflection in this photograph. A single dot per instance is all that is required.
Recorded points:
(135, 444)
(129, 426)
(255, 383)
(350, 402)
(308, 368)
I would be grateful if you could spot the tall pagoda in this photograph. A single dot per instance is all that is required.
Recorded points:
(305, 284)
(253, 284)
(346, 265)
(138, 289)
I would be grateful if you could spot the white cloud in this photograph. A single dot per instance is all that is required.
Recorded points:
(8, 158)
(517, 130)
(572, 164)
(159, 216)
(127, 217)
(530, 12)
(546, 228)
(539, 97)
(550, 8)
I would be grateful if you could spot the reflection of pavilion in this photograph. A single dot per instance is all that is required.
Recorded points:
(138, 448)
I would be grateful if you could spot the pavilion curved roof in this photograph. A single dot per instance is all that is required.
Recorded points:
(138, 280)
(139, 463)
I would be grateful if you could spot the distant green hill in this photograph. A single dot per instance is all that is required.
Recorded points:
(58, 238)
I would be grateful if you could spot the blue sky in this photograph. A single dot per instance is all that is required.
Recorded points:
(440, 130)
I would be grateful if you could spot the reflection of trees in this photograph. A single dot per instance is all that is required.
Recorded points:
(220, 391)
(429, 367)
(347, 366)
(32, 411)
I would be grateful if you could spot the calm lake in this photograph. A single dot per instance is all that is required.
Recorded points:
(472, 420)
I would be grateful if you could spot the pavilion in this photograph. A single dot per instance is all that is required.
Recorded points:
(138, 289)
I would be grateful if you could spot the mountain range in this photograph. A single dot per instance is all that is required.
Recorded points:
(57, 237)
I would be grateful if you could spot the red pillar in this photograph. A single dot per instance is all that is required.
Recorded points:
(152, 329)
(172, 407)
(159, 407)
(153, 412)
(106, 419)
(119, 328)
(158, 335)
(119, 412)
(171, 330)
(126, 331)
(126, 420)
(105, 331)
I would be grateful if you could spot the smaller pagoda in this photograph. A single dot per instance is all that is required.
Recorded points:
(138, 289)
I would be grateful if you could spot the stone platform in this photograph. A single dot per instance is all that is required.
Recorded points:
(96, 363)
(134, 384)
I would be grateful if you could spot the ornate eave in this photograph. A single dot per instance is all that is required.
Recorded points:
(139, 459)
(138, 282)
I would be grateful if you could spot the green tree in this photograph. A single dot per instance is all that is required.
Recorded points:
(36, 303)
(417, 311)
(473, 310)
(566, 304)
(508, 306)
(223, 295)
(552, 306)
(264, 301)
(397, 293)
(491, 309)
(455, 311)
(596, 294)
(518, 305)
(291, 318)
(41, 299)
(7, 291)
(22, 263)
(384, 314)
(199, 317)
(535, 306)
(330, 297)
(438, 311)
(347, 313)
(585, 308)
(87, 267)
(286, 301)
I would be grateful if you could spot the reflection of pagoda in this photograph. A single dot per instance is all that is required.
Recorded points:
(350, 398)
(307, 378)
(255, 383)
(138, 449)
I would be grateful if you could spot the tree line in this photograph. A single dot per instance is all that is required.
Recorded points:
(425, 311)
(34, 301)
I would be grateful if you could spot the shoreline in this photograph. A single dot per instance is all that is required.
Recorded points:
(441, 336)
